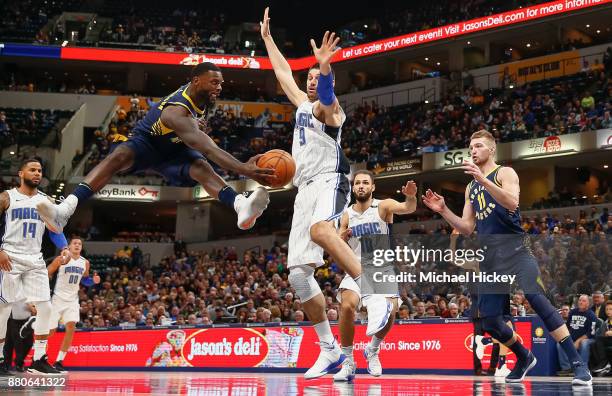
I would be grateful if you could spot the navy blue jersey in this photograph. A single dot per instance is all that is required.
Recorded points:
(152, 124)
(491, 217)
(581, 323)
(157, 147)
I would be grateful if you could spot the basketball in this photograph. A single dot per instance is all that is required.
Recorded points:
(282, 163)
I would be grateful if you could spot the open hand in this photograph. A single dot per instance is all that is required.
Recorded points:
(434, 201)
(65, 255)
(410, 189)
(5, 261)
(346, 234)
(263, 176)
(264, 25)
(472, 169)
(328, 48)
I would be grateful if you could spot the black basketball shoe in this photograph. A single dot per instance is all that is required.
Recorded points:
(42, 367)
(60, 367)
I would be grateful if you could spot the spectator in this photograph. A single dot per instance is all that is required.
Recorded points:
(600, 363)
(431, 312)
(565, 310)
(420, 310)
(599, 305)
(298, 316)
(453, 311)
(581, 324)
(587, 102)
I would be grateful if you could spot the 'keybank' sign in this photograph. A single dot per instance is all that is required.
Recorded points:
(119, 192)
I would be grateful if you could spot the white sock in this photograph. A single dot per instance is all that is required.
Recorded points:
(2, 349)
(324, 332)
(60, 356)
(375, 342)
(40, 349)
(348, 352)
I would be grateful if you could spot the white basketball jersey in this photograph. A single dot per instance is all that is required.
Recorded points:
(366, 223)
(23, 228)
(68, 279)
(316, 146)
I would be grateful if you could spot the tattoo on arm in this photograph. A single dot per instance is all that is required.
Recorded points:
(4, 201)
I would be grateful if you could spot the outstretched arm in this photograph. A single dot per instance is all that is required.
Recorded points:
(280, 65)
(389, 207)
(464, 224)
(187, 129)
(55, 264)
(327, 108)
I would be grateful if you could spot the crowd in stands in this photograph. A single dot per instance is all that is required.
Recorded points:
(577, 103)
(28, 126)
(8, 183)
(198, 29)
(563, 197)
(119, 128)
(394, 20)
(375, 134)
(220, 286)
(128, 232)
(22, 20)
(143, 236)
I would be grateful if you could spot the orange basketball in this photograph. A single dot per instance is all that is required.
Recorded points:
(282, 163)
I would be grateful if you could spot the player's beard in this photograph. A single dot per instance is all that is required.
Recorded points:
(363, 198)
(31, 183)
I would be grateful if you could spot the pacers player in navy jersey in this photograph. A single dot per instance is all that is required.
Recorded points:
(169, 141)
(492, 208)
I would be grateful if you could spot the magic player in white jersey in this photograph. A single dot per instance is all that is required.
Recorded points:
(65, 300)
(23, 272)
(368, 216)
(323, 189)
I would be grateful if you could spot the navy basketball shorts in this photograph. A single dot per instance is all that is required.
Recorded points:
(494, 298)
(171, 160)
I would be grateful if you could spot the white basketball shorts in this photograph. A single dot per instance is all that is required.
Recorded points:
(322, 198)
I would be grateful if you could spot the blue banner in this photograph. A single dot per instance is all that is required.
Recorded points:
(31, 50)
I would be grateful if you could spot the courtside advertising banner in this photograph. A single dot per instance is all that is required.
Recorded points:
(128, 192)
(416, 345)
(548, 145)
(549, 66)
(604, 138)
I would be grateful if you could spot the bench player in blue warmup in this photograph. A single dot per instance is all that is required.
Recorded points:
(492, 208)
(168, 140)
